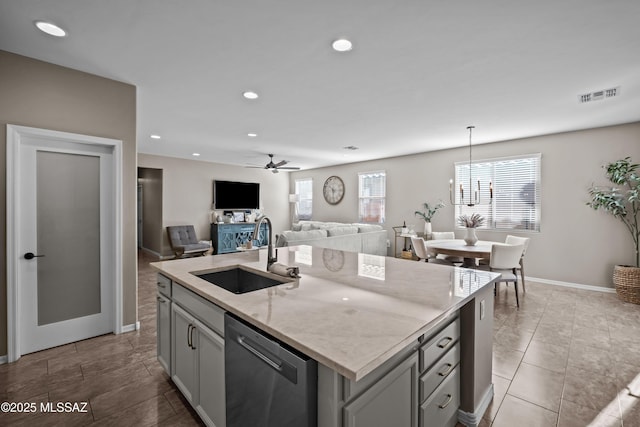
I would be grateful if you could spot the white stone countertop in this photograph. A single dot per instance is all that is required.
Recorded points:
(349, 311)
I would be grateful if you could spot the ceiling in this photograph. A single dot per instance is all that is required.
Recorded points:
(419, 73)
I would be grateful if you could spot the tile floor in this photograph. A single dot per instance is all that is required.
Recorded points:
(566, 358)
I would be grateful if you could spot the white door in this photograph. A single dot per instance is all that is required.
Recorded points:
(65, 241)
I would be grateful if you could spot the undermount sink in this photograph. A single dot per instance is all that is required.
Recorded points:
(239, 280)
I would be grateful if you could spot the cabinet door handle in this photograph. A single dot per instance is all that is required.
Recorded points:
(193, 346)
(162, 285)
(444, 342)
(446, 403)
(162, 300)
(447, 371)
(189, 335)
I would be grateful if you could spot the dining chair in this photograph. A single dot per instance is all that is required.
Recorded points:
(419, 248)
(422, 252)
(505, 259)
(515, 240)
(445, 235)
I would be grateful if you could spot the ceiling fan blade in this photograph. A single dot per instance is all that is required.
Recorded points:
(274, 170)
(290, 168)
(281, 163)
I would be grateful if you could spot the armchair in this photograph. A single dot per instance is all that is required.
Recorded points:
(183, 241)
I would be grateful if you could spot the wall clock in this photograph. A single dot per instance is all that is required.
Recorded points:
(333, 259)
(333, 190)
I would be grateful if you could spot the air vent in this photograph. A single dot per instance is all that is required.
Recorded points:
(599, 95)
(350, 147)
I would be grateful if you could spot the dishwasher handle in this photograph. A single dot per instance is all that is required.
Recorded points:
(275, 365)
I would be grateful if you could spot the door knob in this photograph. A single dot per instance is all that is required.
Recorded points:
(30, 255)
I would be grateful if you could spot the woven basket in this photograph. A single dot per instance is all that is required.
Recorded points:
(627, 282)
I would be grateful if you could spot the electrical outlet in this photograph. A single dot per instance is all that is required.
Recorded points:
(388, 243)
(481, 309)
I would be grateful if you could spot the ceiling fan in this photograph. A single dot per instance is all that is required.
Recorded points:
(274, 167)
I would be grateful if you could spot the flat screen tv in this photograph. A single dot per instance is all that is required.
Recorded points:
(231, 195)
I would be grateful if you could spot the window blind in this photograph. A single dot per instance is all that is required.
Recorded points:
(372, 196)
(516, 191)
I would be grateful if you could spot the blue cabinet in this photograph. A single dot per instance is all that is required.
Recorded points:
(227, 237)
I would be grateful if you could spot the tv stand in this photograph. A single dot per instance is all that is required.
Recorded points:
(226, 237)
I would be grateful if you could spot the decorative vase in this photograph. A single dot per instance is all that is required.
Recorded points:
(427, 230)
(470, 237)
(627, 282)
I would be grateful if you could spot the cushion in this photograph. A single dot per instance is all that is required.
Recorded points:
(368, 228)
(341, 231)
(292, 236)
(296, 227)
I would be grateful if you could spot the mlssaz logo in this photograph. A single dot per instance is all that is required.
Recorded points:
(63, 407)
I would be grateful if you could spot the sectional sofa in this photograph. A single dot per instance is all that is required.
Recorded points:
(364, 238)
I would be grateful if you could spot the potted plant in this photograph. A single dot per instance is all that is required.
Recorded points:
(471, 222)
(623, 202)
(427, 215)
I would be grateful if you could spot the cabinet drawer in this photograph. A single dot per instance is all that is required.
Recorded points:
(439, 372)
(207, 312)
(164, 285)
(439, 345)
(441, 409)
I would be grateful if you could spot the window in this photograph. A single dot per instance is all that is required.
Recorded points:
(515, 182)
(371, 190)
(304, 199)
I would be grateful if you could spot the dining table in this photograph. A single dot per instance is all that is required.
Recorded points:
(458, 247)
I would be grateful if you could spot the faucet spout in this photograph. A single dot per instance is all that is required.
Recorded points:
(256, 232)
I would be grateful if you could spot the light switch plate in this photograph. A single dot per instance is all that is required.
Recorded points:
(481, 309)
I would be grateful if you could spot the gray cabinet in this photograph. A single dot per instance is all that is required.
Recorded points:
(440, 377)
(183, 371)
(391, 401)
(163, 322)
(210, 374)
(163, 328)
(418, 386)
(441, 408)
(197, 353)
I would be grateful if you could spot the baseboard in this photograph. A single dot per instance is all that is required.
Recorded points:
(571, 285)
(131, 328)
(4, 359)
(473, 419)
(157, 255)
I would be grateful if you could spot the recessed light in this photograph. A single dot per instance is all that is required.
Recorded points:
(250, 95)
(51, 29)
(155, 136)
(342, 45)
(195, 154)
(252, 135)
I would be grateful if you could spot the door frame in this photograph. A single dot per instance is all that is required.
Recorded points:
(14, 140)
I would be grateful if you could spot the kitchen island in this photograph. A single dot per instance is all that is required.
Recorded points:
(361, 317)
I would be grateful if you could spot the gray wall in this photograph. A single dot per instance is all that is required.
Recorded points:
(575, 244)
(187, 192)
(38, 94)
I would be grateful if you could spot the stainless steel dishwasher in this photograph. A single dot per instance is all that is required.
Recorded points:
(268, 384)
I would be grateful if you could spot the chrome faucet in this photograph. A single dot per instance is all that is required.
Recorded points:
(256, 232)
